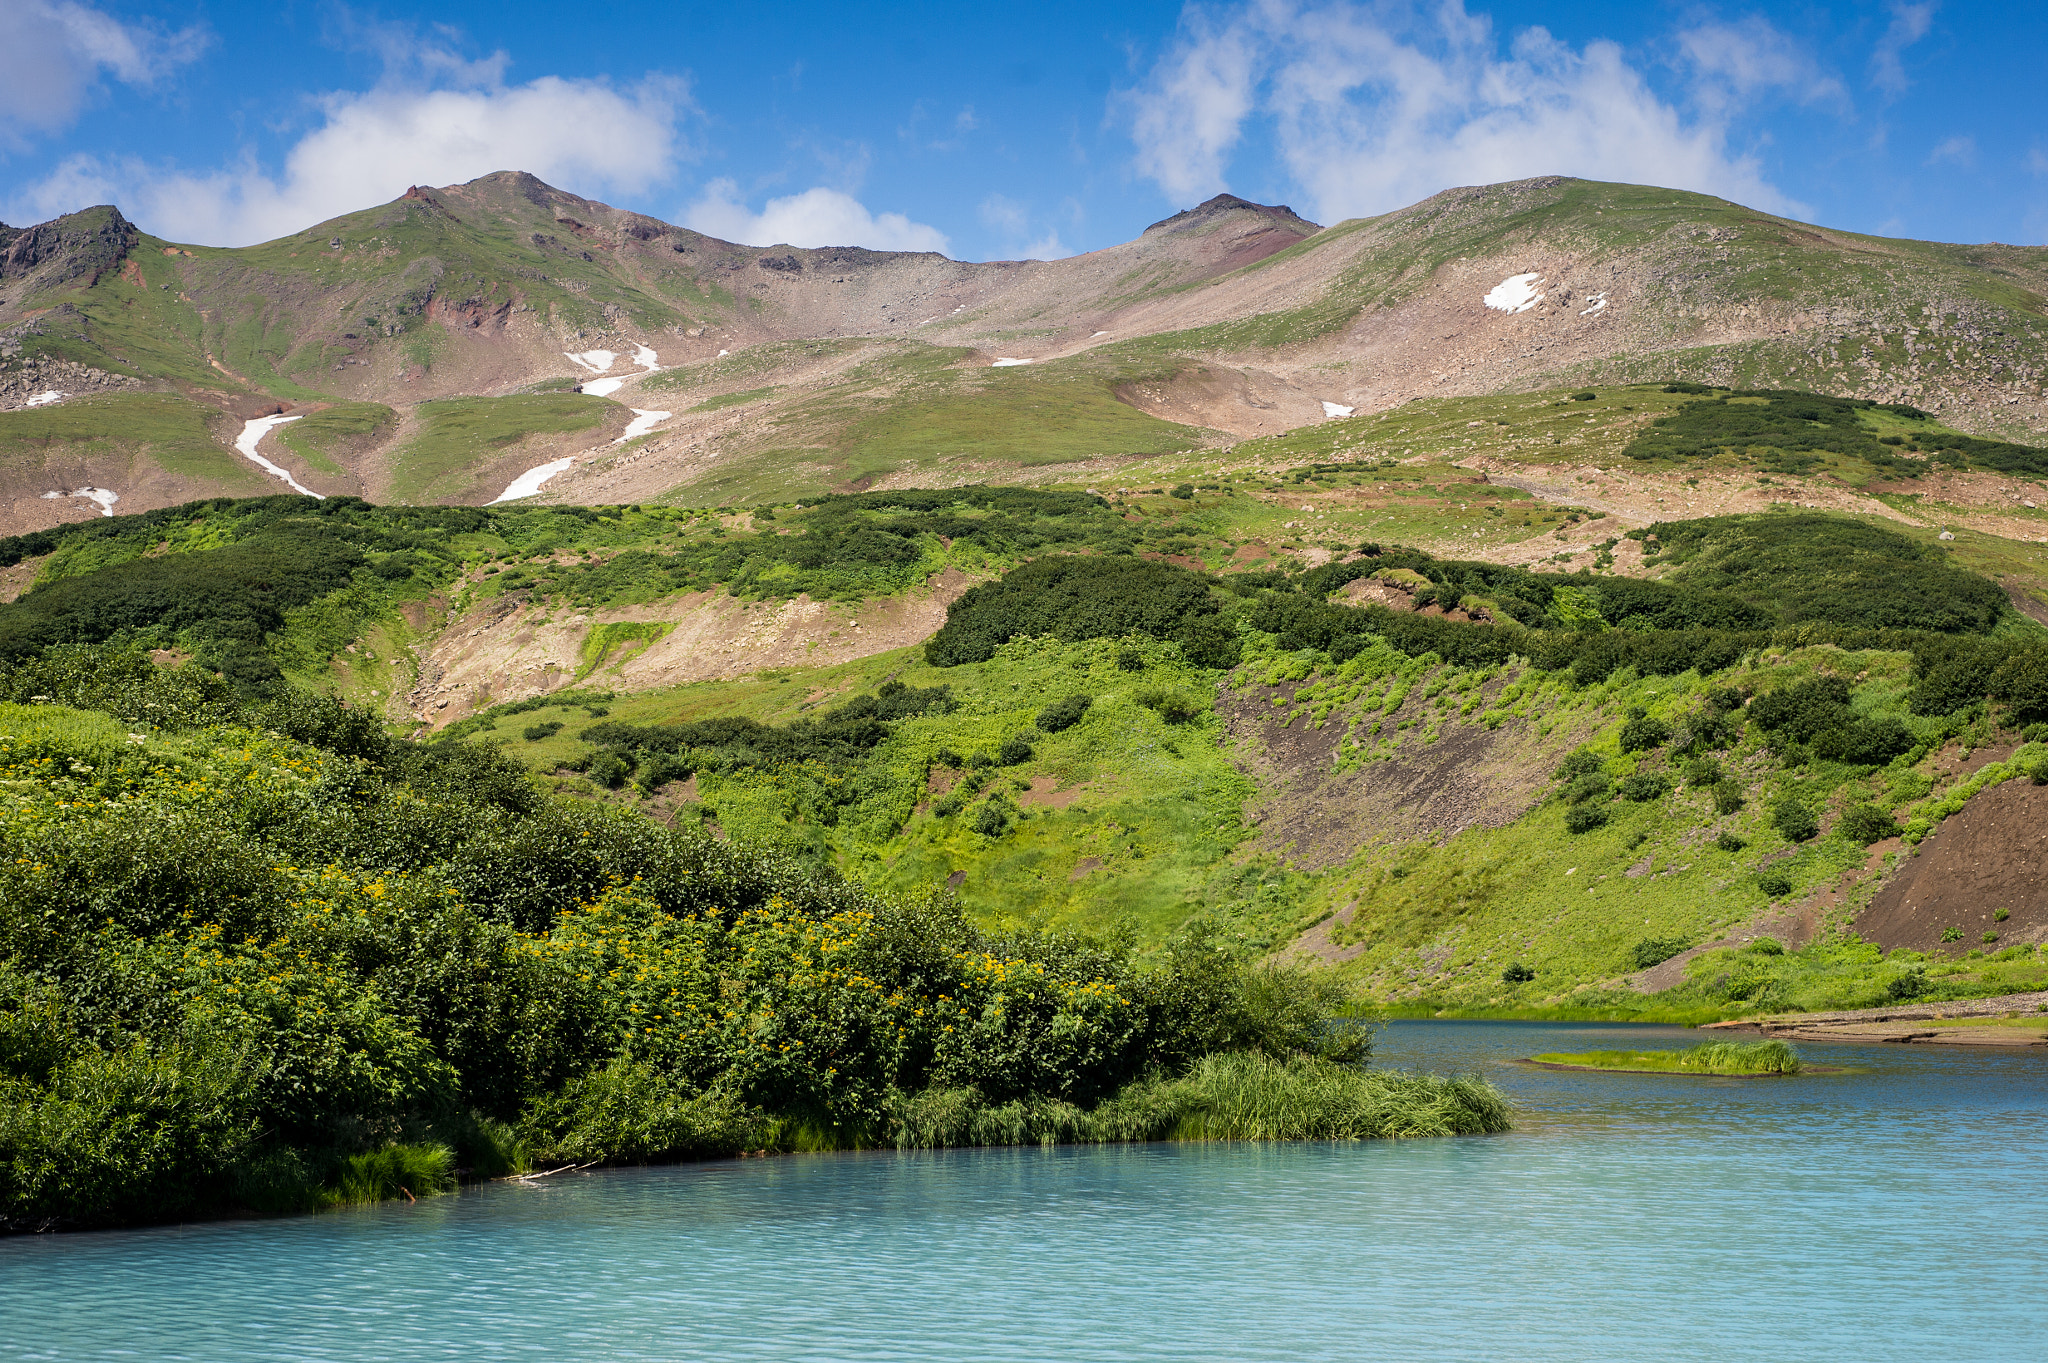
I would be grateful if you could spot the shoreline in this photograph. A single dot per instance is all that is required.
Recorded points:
(1957, 1022)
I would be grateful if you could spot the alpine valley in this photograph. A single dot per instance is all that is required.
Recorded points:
(500, 675)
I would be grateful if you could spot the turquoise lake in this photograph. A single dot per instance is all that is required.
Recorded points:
(1896, 1212)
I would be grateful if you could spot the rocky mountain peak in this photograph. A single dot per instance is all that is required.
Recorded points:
(1224, 204)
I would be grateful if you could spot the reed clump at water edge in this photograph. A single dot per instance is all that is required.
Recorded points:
(1732, 1058)
(1243, 1096)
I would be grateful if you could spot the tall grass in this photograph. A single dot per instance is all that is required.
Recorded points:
(394, 1171)
(1224, 1097)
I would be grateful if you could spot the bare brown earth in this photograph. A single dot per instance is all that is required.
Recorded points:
(1317, 817)
(1991, 855)
(507, 650)
(2002, 832)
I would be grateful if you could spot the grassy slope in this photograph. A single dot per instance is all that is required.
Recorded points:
(459, 436)
(325, 436)
(174, 433)
(1207, 864)
(1144, 819)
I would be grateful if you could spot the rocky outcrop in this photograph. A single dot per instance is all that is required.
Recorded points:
(82, 245)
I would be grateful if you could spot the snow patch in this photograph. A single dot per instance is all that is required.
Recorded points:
(1099, 333)
(45, 399)
(528, 483)
(596, 361)
(642, 423)
(1335, 409)
(1599, 302)
(104, 496)
(723, 353)
(252, 436)
(1517, 294)
(1003, 362)
(603, 388)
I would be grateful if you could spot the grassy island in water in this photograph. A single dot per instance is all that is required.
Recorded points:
(1727, 1058)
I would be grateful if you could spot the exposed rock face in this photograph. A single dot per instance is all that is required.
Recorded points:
(82, 245)
(40, 374)
(1227, 203)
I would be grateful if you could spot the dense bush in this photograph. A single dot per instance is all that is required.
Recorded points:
(1063, 714)
(242, 969)
(1645, 786)
(1802, 425)
(1866, 823)
(1584, 818)
(1656, 950)
(1793, 820)
(1075, 598)
(1641, 732)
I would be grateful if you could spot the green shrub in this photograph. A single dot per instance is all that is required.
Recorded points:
(1645, 786)
(1729, 842)
(1793, 820)
(1866, 824)
(1015, 749)
(1728, 797)
(991, 819)
(533, 733)
(1517, 974)
(1910, 984)
(1584, 818)
(1774, 883)
(1085, 598)
(1185, 491)
(1175, 707)
(1578, 763)
(1704, 772)
(1656, 950)
(1063, 714)
(1642, 733)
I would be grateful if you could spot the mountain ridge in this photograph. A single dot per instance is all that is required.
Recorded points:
(811, 368)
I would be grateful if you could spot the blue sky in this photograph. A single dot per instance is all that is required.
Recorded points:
(1003, 131)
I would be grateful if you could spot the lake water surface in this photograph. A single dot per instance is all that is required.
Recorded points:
(1896, 1212)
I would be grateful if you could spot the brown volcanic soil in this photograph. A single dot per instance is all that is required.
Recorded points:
(1470, 777)
(1991, 855)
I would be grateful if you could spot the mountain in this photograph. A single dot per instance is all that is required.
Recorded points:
(426, 343)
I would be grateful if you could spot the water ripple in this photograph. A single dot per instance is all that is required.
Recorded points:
(1872, 1215)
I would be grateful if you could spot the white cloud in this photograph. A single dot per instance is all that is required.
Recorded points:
(55, 51)
(2037, 161)
(1192, 113)
(1961, 150)
(1909, 25)
(1374, 106)
(1047, 247)
(816, 217)
(585, 135)
(1735, 62)
(1005, 214)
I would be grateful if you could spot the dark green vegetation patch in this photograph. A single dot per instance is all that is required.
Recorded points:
(1074, 598)
(1794, 428)
(1802, 566)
